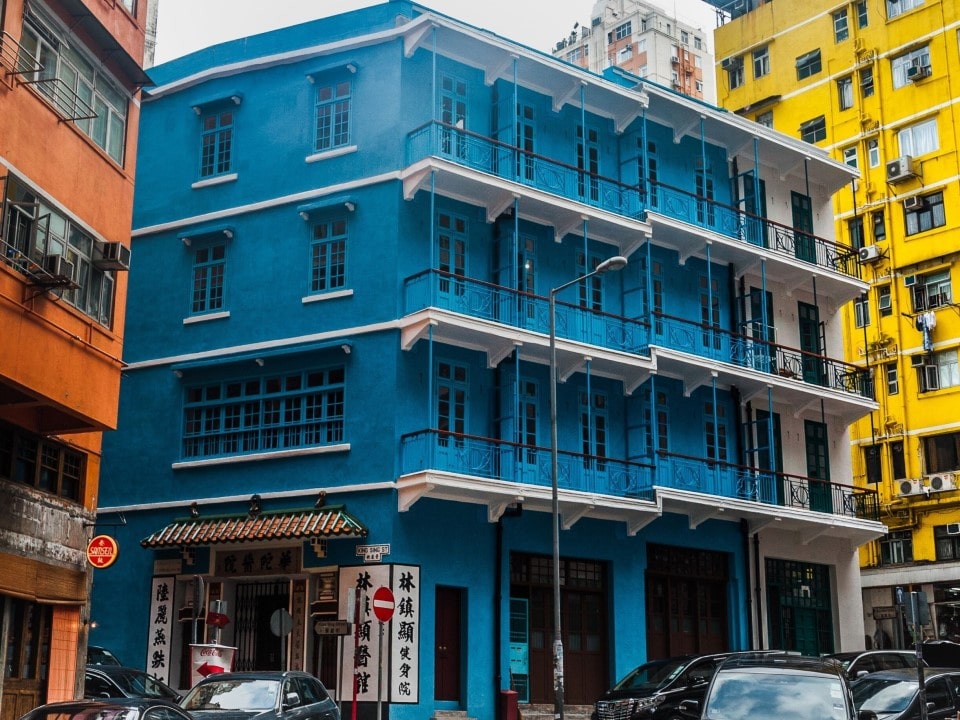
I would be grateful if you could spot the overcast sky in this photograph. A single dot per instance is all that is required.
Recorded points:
(187, 25)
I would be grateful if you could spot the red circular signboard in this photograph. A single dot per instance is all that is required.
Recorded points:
(383, 604)
(102, 551)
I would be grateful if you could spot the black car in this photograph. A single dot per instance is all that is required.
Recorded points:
(97, 655)
(776, 686)
(895, 694)
(858, 664)
(114, 681)
(119, 709)
(655, 689)
(274, 695)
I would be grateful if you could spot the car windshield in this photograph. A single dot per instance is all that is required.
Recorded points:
(139, 684)
(775, 696)
(652, 676)
(883, 695)
(233, 694)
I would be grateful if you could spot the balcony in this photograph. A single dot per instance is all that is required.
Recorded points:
(802, 379)
(679, 219)
(479, 170)
(482, 171)
(498, 473)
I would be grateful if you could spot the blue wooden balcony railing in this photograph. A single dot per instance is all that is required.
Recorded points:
(478, 299)
(717, 344)
(530, 465)
(506, 161)
(525, 464)
(567, 181)
(770, 488)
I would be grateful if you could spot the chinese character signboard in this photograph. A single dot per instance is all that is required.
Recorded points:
(266, 561)
(160, 634)
(401, 635)
(405, 636)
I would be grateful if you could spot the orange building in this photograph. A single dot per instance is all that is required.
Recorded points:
(70, 72)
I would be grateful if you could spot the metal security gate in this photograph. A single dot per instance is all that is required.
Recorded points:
(258, 647)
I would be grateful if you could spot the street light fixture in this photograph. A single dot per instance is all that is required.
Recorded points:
(615, 263)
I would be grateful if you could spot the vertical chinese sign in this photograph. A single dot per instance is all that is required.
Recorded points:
(401, 641)
(160, 636)
(405, 636)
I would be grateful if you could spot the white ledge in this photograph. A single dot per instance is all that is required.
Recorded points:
(327, 154)
(256, 457)
(218, 180)
(206, 318)
(326, 296)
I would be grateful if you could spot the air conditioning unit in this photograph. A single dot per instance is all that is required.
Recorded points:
(869, 253)
(900, 169)
(113, 256)
(953, 528)
(909, 487)
(675, 60)
(914, 202)
(918, 72)
(59, 267)
(909, 280)
(941, 482)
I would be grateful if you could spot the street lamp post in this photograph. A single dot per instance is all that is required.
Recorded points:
(615, 263)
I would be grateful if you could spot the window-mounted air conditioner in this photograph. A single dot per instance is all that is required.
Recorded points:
(900, 169)
(869, 253)
(918, 72)
(59, 267)
(909, 487)
(909, 280)
(941, 482)
(113, 256)
(913, 203)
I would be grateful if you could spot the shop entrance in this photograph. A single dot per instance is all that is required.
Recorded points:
(583, 621)
(258, 647)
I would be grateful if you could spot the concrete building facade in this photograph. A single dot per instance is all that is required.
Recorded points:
(870, 82)
(338, 372)
(69, 77)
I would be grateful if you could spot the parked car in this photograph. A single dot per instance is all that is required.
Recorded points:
(858, 664)
(115, 681)
(655, 689)
(97, 655)
(281, 695)
(118, 709)
(895, 694)
(776, 686)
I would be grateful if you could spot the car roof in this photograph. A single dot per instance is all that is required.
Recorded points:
(257, 675)
(763, 661)
(908, 674)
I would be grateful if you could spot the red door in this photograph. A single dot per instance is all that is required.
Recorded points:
(446, 677)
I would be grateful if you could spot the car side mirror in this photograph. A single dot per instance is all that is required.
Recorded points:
(691, 708)
(291, 699)
(866, 715)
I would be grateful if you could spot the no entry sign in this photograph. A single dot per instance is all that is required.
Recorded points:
(383, 604)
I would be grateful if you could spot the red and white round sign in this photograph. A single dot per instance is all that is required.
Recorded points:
(383, 604)
(102, 551)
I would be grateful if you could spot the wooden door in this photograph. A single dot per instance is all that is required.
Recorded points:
(447, 633)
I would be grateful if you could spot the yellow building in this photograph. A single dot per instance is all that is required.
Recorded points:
(875, 83)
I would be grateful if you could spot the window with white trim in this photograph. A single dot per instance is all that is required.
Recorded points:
(735, 75)
(929, 214)
(863, 18)
(809, 64)
(333, 110)
(216, 141)
(873, 152)
(761, 62)
(841, 25)
(620, 32)
(73, 81)
(866, 82)
(919, 139)
(941, 370)
(932, 290)
(264, 413)
(845, 92)
(861, 311)
(209, 266)
(884, 301)
(901, 64)
(328, 256)
(893, 378)
(898, 7)
(851, 156)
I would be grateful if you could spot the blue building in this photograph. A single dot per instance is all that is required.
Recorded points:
(338, 351)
